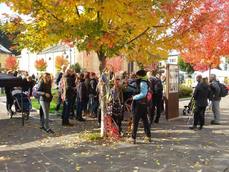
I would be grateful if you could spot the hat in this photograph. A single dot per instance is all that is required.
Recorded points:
(141, 73)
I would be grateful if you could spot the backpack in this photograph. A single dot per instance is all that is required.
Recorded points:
(223, 90)
(149, 95)
(156, 86)
(34, 91)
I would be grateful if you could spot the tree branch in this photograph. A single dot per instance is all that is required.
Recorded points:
(77, 11)
(47, 10)
(138, 36)
(176, 20)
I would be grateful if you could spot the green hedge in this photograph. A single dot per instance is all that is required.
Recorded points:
(185, 91)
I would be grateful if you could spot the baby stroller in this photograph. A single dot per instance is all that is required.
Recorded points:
(188, 110)
(22, 104)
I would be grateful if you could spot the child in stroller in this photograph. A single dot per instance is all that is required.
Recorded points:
(21, 102)
(188, 109)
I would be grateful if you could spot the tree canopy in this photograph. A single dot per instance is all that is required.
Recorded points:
(143, 31)
(204, 49)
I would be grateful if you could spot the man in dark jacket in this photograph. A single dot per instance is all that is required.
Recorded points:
(200, 96)
(68, 95)
(82, 98)
(157, 88)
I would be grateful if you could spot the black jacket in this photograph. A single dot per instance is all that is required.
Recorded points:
(44, 88)
(92, 87)
(69, 87)
(82, 92)
(201, 94)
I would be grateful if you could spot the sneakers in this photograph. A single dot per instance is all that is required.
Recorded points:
(193, 127)
(200, 127)
(132, 141)
(50, 131)
(67, 124)
(81, 119)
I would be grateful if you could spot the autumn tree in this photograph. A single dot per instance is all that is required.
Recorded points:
(41, 65)
(60, 61)
(204, 49)
(143, 31)
(11, 63)
(187, 67)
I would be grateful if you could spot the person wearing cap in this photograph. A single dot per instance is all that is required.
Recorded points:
(140, 106)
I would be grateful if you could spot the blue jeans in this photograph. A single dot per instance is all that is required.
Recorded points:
(93, 104)
(81, 106)
(216, 111)
(66, 111)
(45, 115)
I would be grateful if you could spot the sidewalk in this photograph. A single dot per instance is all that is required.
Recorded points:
(174, 147)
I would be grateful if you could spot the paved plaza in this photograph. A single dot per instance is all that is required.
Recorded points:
(174, 147)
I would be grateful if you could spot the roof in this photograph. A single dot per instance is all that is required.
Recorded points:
(54, 49)
(4, 50)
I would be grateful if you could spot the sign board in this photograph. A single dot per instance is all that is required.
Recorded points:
(172, 60)
(172, 96)
(173, 78)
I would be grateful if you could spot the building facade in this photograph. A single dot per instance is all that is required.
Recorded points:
(4, 53)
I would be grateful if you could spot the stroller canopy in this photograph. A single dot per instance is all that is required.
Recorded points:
(7, 80)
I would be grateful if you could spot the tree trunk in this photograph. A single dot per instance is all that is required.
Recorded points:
(209, 72)
(103, 91)
(102, 61)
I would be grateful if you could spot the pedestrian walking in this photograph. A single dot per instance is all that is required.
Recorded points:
(140, 106)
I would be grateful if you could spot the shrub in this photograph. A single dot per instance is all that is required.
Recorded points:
(185, 91)
(76, 67)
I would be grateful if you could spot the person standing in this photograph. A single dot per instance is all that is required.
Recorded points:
(157, 89)
(117, 103)
(200, 96)
(68, 96)
(215, 98)
(140, 106)
(82, 98)
(44, 91)
(58, 81)
(93, 96)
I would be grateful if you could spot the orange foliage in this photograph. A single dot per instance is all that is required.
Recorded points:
(11, 63)
(41, 64)
(114, 64)
(60, 61)
(204, 50)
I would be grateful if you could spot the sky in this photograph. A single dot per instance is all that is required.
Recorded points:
(5, 9)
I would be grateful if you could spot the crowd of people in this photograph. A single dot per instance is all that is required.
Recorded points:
(80, 94)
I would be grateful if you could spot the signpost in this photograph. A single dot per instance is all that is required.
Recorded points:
(172, 96)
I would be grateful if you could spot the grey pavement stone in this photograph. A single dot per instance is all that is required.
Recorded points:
(174, 147)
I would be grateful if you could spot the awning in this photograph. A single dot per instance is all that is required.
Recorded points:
(7, 80)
